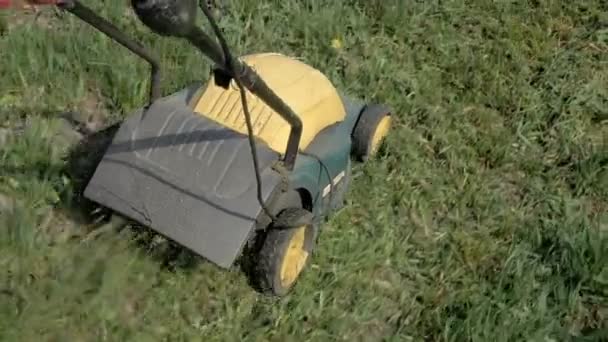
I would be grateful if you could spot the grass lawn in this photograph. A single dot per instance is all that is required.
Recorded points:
(486, 218)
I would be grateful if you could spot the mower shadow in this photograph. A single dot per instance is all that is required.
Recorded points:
(82, 161)
(168, 140)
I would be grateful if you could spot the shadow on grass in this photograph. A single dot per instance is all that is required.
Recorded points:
(82, 161)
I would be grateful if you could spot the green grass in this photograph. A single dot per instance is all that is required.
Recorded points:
(485, 220)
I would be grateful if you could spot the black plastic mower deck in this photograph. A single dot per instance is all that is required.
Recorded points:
(186, 177)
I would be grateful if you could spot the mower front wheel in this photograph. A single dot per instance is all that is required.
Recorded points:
(286, 251)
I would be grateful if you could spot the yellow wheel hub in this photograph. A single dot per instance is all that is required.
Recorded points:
(295, 258)
(381, 132)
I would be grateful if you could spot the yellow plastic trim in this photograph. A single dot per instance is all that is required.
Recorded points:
(295, 258)
(380, 133)
(306, 90)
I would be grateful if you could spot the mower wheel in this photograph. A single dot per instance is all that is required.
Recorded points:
(286, 251)
(370, 131)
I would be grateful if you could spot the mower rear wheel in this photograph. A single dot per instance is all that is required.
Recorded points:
(370, 131)
(286, 252)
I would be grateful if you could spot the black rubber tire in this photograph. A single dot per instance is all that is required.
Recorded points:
(274, 249)
(364, 130)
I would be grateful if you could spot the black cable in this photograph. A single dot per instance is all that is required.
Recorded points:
(230, 68)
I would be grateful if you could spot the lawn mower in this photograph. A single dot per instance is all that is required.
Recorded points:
(246, 166)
